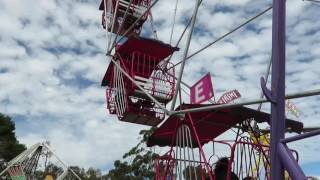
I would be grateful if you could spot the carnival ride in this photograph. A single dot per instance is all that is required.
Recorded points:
(141, 81)
(27, 164)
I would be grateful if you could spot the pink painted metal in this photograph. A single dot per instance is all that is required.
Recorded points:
(229, 97)
(143, 60)
(207, 166)
(202, 90)
(247, 157)
(117, 10)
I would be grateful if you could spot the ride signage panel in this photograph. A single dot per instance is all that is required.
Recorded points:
(229, 96)
(202, 90)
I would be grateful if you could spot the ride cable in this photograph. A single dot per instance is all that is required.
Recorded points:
(225, 35)
(121, 25)
(186, 50)
(154, 31)
(174, 20)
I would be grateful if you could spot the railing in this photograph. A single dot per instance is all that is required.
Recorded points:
(110, 93)
(169, 168)
(145, 108)
(184, 161)
(152, 74)
(16, 172)
(143, 64)
(121, 100)
(249, 160)
(116, 10)
(135, 9)
(120, 97)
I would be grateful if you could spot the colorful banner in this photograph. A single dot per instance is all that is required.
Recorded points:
(292, 108)
(201, 91)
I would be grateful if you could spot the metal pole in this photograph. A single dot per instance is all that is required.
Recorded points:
(130, 28)
(301, 136)
(277, 93)
(174, 21)
(194, 17)
(21, 157)
(107, 24)
(48, 148)
(134, 82)
(225, 35)
(121, 25)
(201, 152)
(266, 77)
(291, 165)
(113, 21)
(63, 175)
(250, 102)
(316, 1)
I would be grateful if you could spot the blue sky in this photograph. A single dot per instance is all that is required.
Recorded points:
(311, 168)
(52, 60)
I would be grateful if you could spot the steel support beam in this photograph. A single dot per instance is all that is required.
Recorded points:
(21, 157)
(301, 136)
(277, 93)
(290, 164)
(250, 102)
(135, 83)
(64, 164)
(185, 54)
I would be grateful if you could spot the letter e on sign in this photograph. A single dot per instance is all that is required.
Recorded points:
(202, 90)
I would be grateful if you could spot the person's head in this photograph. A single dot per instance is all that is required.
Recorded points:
(222, 164)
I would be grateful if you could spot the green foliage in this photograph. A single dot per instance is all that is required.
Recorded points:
(53, 170)
(56, 171)
(93, 174)
(90, 174)
(198, 172)
(140, 167)
(136, 164)
(79, 171)
(9, 145)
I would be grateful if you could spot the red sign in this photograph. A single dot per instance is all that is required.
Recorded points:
(229, 96)
(202, 90)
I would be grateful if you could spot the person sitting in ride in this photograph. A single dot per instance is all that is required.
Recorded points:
(221, 170)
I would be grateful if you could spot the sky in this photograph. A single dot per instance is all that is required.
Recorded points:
(52, 60)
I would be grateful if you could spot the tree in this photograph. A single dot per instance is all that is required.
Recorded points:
(9, 145)
(79, 171)
(93, 174)
(140, 167)
(53, 170)
(195, 172)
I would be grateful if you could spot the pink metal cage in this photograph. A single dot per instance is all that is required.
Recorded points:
(166, 165)
(142, 60)
(154, 75)
(116, 9)
(246, 158)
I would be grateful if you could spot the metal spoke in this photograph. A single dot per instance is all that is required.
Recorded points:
(225, 35)
(185, 53)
